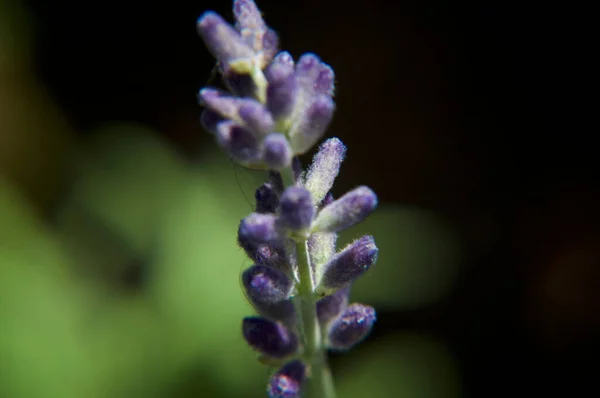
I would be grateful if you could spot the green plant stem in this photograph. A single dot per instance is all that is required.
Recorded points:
(320, 380)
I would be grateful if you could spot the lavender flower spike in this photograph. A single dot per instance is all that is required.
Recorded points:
(287, 382)
(346, 211)
(348, 265)
(325, 168)
(269, 338)
(266, 284)
(351, 327)
(272, 111)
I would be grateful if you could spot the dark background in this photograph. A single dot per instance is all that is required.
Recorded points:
(472, 109)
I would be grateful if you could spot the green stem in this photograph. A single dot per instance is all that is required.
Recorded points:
(320, 380)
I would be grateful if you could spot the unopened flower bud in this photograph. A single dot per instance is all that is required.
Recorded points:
(331, 306)
(268, 337)
(351, 327)
(287, 382)
(266, 284)
(348, 265)
(277, 152)
(346, 211)
(325, 168)
(296, 209)
(311, 125)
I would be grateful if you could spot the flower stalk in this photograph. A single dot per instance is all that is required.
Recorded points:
(274, 110)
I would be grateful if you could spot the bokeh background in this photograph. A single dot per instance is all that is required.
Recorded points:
(119, 274)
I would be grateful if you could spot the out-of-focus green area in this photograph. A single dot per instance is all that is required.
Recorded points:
(119, 272)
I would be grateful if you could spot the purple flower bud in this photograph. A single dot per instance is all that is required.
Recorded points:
(315, 76)
(351, 327)
(284, 58)
(270, 45)
(325, 168)
(255, 116)
(277, 153)
(296, 209)
(287, 382)
(249, 22)
(348, 210)
(282, 91)
(245, 111)
(238, 142)
(265, 284)
(348, 265)
(259, 229)
(224, 42)
(311, 126)
(331, 306)
(325, 82)
(210, 120)
(267, 199)
(268, 337)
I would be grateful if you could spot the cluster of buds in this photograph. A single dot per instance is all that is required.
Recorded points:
(273, 110)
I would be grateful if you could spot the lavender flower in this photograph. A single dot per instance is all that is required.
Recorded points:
(287, 382)
(274, 110)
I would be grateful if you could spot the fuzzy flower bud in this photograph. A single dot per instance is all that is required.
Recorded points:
(267, 199)
(244, 111)
(287, 381)
(348, 265)
(239, 142)
(315, 76)
(269, 338)
(277, 152)
(296, 209)
(252, 28)
(346, 211)
(331, 306)
(282, 91)
(351, 327)
(224, 43)
(325, 168)
(310, 127)
(266, 284)
(258, 229)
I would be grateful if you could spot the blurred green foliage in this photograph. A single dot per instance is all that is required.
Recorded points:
(75, 323)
